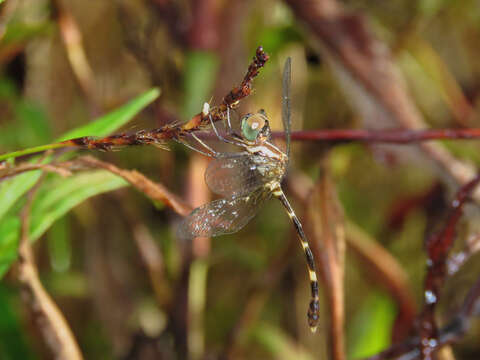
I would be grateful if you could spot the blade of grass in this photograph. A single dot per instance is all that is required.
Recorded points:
(62, 195)
(9, 230)
(112, 121)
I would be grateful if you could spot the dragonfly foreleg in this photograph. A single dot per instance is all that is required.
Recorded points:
(191, 147)
(229, 124)
(228, 141)
(201, 142)
(313, 313)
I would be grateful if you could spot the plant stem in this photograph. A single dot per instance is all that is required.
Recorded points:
(32, 150)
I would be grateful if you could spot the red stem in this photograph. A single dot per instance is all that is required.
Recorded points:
(393, 136)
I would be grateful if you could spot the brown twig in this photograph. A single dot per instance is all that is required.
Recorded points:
(328, 246)
(154, 191)
(60, 169)
(55, 329)
(392, 136)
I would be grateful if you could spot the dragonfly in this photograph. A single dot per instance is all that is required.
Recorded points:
(247, 179)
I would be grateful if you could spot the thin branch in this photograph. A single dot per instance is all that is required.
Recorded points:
(154, 191)
(393, 136)
(9, 171)
(55, 329)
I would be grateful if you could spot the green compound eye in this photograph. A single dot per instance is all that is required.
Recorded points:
(252, 125)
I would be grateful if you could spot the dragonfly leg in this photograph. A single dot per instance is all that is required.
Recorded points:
(191, 147)
(230, 130)
(313, 314)
(228, 141)
(201, 142)
(229, 124)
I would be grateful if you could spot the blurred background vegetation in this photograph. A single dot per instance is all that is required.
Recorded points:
(64, 63)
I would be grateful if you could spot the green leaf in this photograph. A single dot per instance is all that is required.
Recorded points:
(61, 195)
(53, 201)
(9, 230)
(11, 190)
(111, 122)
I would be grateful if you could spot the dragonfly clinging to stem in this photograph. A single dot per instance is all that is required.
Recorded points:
(246, 179)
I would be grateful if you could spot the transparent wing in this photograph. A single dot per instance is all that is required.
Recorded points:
(286, 110)
(223, 216)
(233, 175)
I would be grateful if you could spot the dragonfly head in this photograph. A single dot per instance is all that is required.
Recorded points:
(255, 127)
